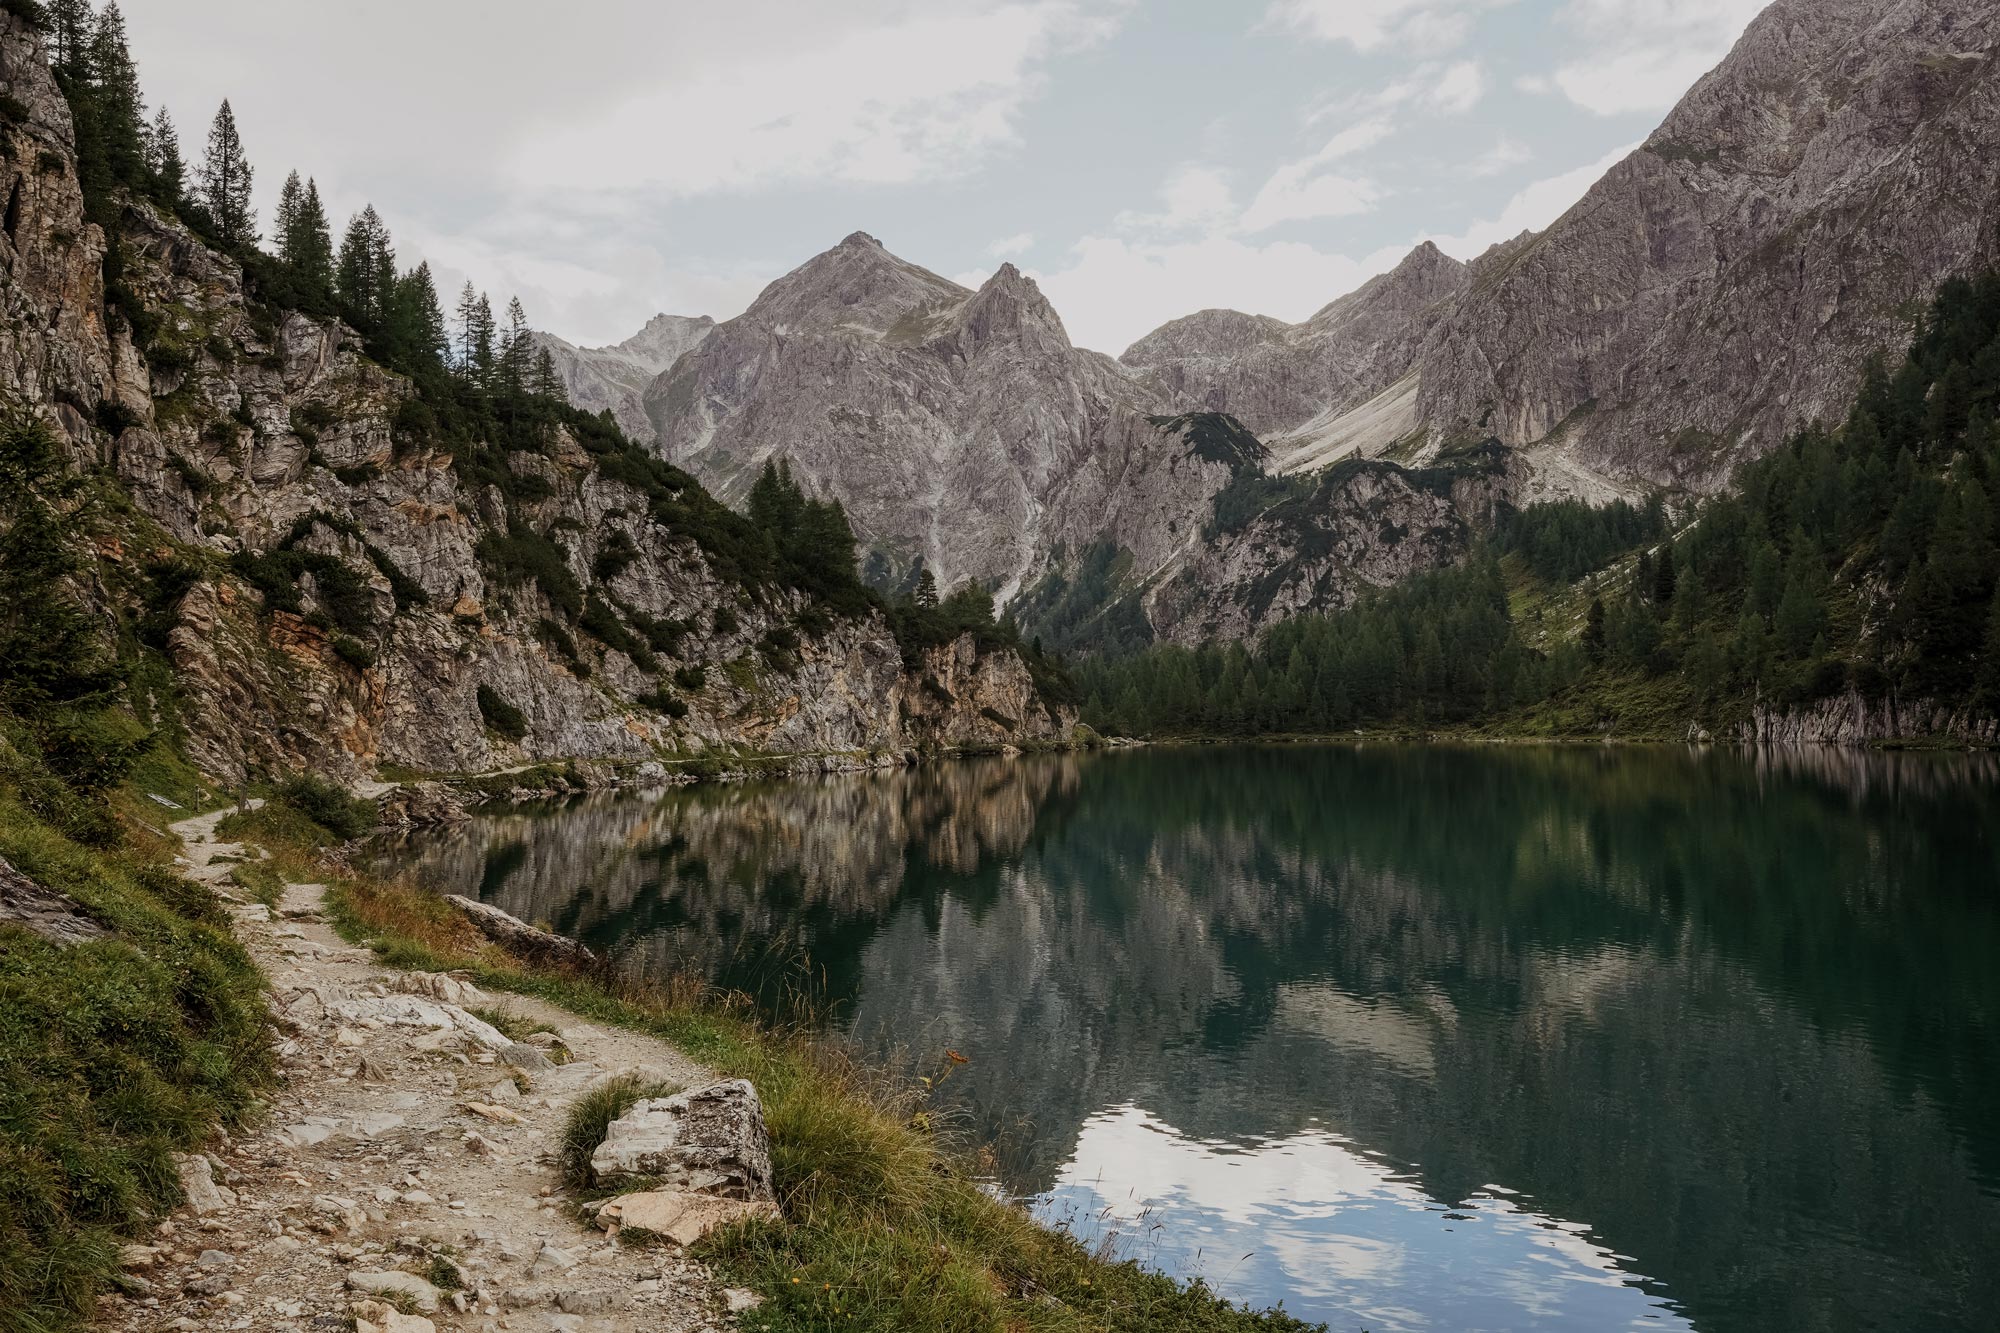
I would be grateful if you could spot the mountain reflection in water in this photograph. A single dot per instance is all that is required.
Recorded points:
(1405, 1037)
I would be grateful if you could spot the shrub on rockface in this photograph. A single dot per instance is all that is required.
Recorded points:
(505, 719)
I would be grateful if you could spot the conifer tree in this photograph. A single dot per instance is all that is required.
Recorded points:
(515, 348)
(365, 273)
(548, 384)
(481, 343)
(291, 199)
(163, 156)
(926, 596)
(311, 247)
(225, 182)
(69, 25)
(468, 321)
(121, 109)
(414, 326)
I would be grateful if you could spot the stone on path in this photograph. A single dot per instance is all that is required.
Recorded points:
(708, 1140)
(375, 1317)
(204, 1196)
(678, 1215)
(394, 1282)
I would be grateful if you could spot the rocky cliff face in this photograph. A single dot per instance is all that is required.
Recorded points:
(1727, 282)
(1290, 382)
(615, 378)
(959, 428)
(326, 566)
(1719, 288)
(1357, 526)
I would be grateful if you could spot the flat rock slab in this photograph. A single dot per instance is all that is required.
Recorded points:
(392, 1283)
(679, 1215)
(709, 1140)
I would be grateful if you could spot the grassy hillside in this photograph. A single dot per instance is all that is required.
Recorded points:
(118, 1050)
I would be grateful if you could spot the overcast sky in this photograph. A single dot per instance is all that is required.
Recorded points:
(609, 159)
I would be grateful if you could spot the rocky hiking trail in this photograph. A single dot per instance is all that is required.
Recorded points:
(403, 1178)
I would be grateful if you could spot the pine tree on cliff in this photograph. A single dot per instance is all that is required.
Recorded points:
(309, 247)
(475, 336)
(926, 596)
(163, 155)
(286, 220)
(413, 330)
(121, 108)
(69, 27)
(365, 273)
(225, 182)
(515, 348)
(548, 384)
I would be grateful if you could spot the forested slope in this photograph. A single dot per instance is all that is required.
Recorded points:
(1844, 588)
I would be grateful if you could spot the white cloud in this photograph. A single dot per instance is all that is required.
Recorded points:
(1459, 88)
(1292, 195)
(1644, 54)
(1533, 208)
(1008, 246)
(1194, 197)
(1640, 80)
(1503, 156)
(1539, 85)
(916, 97)
(1368, 24)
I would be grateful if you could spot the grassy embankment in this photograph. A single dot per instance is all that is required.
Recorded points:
(114, 1053)
(886, 1226)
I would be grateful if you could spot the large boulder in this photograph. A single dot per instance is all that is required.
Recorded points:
(52, 915)
(708, 1140)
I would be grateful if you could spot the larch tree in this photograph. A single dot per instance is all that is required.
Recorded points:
(225, 182)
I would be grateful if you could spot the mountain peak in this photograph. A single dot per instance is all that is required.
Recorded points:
(858, 284)
(1010, 305)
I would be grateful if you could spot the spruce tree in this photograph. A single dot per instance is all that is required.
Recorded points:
(120, 107)
(163, 155)
(365, 273)
(468, 321)
(69, 27)
(515, 349)
(291, 199)
(414, 327)
(480, 340)
(548, 384)
(313, 247)
(225, 182)
(1593, 631)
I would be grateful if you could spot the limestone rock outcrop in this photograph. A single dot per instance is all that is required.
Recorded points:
(614, 378)
(329, 595)
(958, 428)
(708, 1140)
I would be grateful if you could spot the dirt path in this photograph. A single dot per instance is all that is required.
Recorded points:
(371, 1178)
